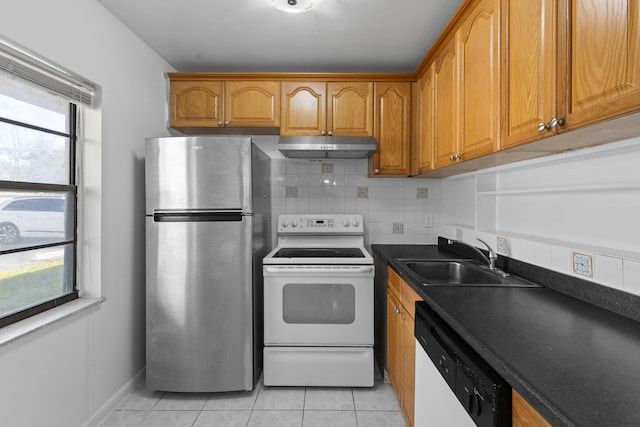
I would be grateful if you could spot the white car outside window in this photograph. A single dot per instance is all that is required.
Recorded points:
(32, 217)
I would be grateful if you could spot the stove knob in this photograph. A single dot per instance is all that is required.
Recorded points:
(346, 223)
(356, 223)
(285, 223)
(294, 224)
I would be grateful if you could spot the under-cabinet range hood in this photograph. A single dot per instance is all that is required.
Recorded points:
(327, 147)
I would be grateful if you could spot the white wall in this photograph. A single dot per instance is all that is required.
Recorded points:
(63, 374)
(585, 201)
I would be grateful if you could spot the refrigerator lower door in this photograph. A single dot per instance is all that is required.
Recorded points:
(199, 304)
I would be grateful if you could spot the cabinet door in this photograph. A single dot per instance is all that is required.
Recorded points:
(394, 335)
(480, 80)
(446, 105)
(603, 40)
(196, 103)
(350, 108)
(529, 82)
(425, 140)
(252, 104)
(304, 109)
(392, 129)
(408, 367)
(523, 415)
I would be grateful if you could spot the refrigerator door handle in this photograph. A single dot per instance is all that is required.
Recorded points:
(197, 216)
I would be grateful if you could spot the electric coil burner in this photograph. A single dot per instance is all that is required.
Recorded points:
(318, 303)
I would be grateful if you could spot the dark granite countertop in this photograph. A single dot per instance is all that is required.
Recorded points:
(577, 363)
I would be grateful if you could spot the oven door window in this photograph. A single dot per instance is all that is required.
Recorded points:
(319, 303)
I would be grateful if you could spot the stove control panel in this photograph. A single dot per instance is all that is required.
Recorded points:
(321, 224)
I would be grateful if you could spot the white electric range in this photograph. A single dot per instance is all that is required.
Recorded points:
(318, 303)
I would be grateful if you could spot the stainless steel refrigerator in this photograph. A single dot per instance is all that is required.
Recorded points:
(207, 230)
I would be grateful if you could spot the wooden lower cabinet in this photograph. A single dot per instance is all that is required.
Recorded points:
(523, 415)
(401, 300)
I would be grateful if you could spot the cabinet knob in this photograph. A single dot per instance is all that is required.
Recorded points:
(330, 133)
(220, 123)
(541, 127)
(417, 170)
(452, 157)
(552, 123)
(226, 123)
(455, 157)
(376, 171)
(322, 133)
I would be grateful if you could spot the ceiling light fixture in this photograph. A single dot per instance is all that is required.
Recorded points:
(295, 6)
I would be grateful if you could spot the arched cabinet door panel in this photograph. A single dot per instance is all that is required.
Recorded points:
(304, 110)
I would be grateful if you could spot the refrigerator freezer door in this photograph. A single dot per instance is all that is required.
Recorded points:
(198, 173)
(199, 305)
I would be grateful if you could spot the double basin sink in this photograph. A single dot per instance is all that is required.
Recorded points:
(463, 272)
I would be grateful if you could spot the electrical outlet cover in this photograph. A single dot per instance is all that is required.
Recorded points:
(582, 264)
(458, 233)
(422, 193)
(501, 245)
(327, 168)
(363, 192)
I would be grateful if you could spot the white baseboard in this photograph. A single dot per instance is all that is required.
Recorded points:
(101, 414)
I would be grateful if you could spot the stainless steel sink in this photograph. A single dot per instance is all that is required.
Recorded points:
(458, 273)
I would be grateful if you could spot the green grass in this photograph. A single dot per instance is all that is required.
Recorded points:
(29, 286)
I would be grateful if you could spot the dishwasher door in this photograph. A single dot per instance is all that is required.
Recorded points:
(435, 403)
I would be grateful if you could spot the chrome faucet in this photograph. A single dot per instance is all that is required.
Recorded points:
(492, 255)
(491, 261)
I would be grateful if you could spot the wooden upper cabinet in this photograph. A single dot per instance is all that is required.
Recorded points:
(529, 74)
(350, 108)
(603, 39)
(196, 103)
(479, 48)
(252, 104)
(568, 64)
(304, 108)
(392, 129)
(446, 105)
(199, 104)
(320, 108)
(424, 142)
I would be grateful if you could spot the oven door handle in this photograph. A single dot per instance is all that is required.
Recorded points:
(318, 269)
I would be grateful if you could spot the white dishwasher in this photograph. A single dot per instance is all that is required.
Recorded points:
(454, 386)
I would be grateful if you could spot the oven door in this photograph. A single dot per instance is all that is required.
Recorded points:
(318, 305)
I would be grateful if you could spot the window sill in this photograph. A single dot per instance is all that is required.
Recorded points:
(24, 327)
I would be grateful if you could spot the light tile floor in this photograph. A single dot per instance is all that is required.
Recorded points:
(263, 407)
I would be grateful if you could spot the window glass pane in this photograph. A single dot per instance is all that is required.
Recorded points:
(32, 156)
(37, 200)
(35, 218)
(25, 104)
(32, 277)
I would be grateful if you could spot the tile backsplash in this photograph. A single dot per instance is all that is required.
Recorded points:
(419, 210)
(342, 186)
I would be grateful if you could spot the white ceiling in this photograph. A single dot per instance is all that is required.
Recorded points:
(252, 36)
